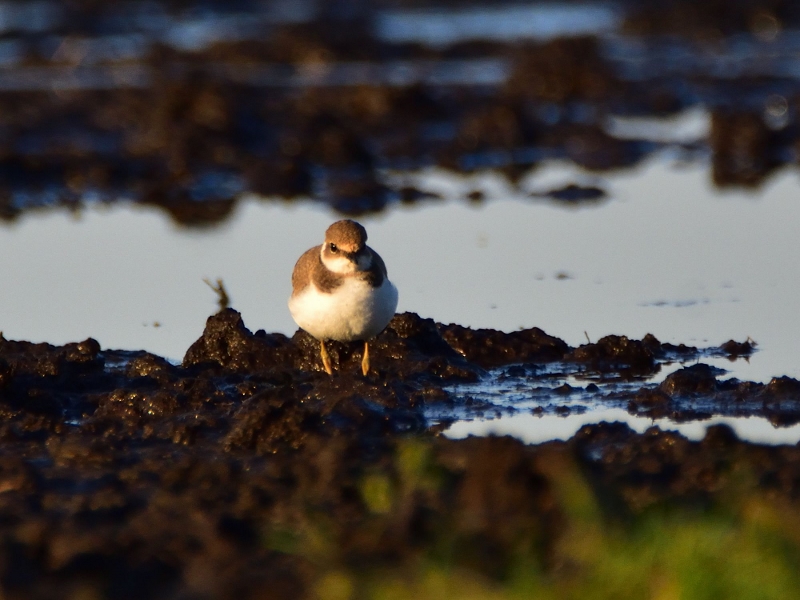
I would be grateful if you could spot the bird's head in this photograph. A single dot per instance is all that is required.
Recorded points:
(345, 248)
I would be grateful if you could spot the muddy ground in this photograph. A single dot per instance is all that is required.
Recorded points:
(247, 472)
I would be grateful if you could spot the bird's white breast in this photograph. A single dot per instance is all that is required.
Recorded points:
(353, 311)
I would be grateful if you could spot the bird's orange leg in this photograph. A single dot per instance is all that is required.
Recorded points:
(365, 360)
(326, 360)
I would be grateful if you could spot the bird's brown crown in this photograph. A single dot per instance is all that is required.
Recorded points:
(348, 235)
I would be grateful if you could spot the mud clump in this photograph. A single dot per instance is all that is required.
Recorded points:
(781, 401)
(697, 379)
(491, 348)
(743, 148)
(654, 403)
(704, 21)
(228, 343)
(736, 349)
(563, 70)
(783, 388)
(614, 352)
(574, 195)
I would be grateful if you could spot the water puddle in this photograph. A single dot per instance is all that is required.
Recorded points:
(689, 127)
(500, 23)
(642, 59)
(542, 403)
(537, 429)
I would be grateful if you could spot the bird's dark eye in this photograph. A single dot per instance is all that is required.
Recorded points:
(333, 247)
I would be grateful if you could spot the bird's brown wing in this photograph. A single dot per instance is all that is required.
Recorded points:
(310, 264)
(303, 268)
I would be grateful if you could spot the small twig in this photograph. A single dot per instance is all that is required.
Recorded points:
(587, 337)
(223, 300)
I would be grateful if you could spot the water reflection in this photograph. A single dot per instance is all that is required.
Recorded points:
(689, 127)
(163, 97)
(502, 23)
(666, 254)
(534, 429)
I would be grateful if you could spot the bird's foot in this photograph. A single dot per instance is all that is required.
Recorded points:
(365, 360)
(326, 360)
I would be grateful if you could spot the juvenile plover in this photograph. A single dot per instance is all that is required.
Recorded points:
(341, 292)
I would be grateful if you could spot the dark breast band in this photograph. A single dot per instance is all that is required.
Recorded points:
(310, 267)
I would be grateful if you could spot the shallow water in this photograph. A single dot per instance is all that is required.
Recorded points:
(666, 254)
(537, 429)
(502, 23)
(552, 402)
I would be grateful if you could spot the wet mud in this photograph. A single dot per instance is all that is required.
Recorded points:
(248, 472)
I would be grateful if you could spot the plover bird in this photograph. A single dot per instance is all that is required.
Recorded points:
(340, 290)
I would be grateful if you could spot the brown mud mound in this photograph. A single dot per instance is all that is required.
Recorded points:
(247, 472)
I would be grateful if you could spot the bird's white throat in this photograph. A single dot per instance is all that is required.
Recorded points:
(343, 265)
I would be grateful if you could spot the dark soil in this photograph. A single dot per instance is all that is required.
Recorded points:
(128, 476)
